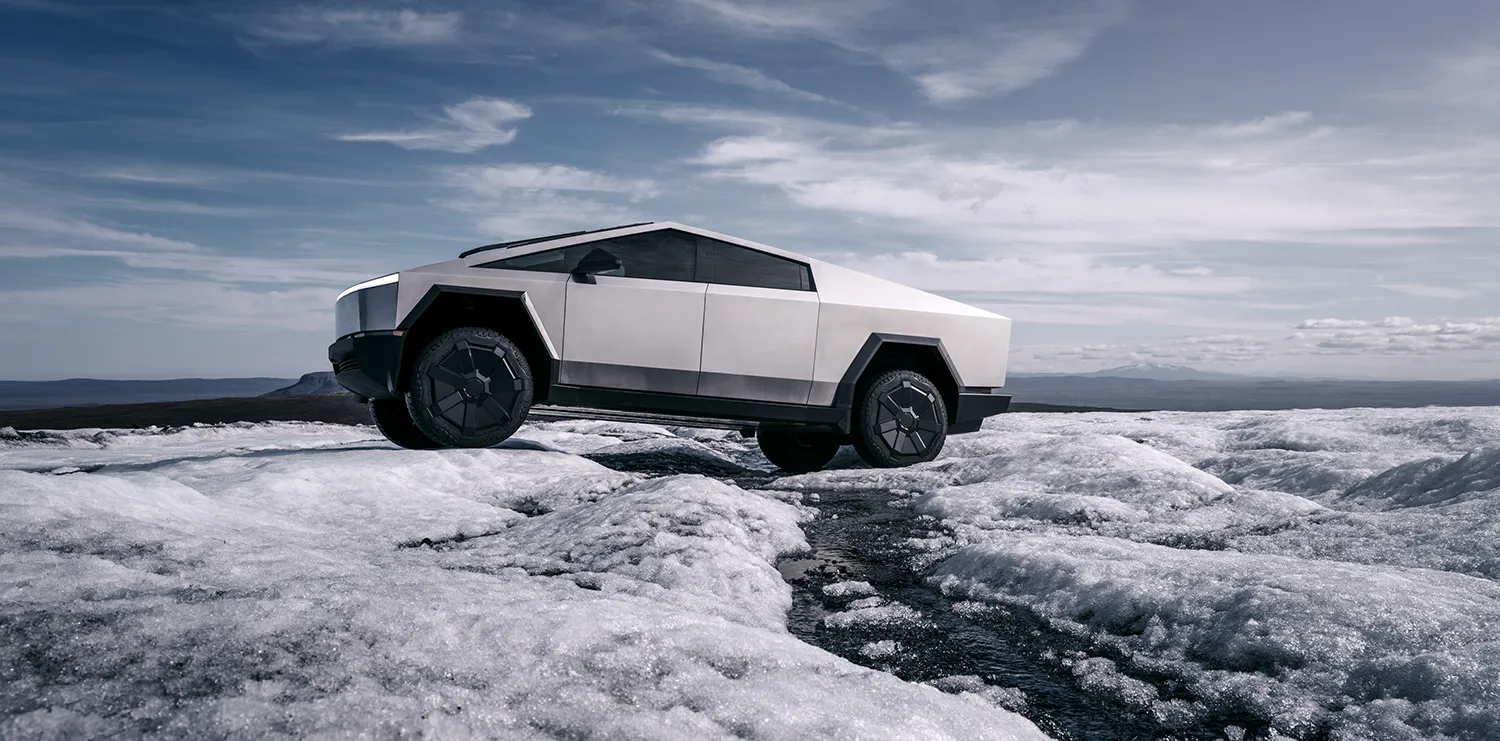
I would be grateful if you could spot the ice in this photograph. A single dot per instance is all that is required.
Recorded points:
(1330, 573)
(51, 449)
(1302, 574)
(1009, 698)
(880, 649)
(305, 581)
(849, 589)
(873, 615)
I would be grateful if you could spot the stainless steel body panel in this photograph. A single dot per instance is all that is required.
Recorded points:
(758, 343)
(633, 323)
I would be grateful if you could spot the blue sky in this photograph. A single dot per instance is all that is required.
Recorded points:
(1270, 187)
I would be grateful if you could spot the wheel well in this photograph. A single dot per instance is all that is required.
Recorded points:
(924, 359)
(505, 315)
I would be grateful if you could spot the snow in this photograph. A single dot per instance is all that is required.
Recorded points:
(849, 589)
(1312, 574)
(1328, 573)
(309, 580)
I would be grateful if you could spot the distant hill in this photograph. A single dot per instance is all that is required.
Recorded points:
(1162, 372)
(91, 391)
(317, 382)
(1231, 393)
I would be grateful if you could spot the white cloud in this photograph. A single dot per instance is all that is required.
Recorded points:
(1069, 183)
(953, 69)
(186, 302)
(734, 74)
(495, 179)
(315, 271)
(1057, 273)
(1466, 78)
(84, 230)
(466, 127)
(1265, 124)
(1396, 336)
(988, 56)
(1209, 352)
(827, 18)
(1446, 293)
(523, 200)
(353, 26)
(1404, 345)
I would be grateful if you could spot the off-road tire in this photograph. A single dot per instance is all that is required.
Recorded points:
(797, 452)
(393, 420)
(899, 419)
(470, 388)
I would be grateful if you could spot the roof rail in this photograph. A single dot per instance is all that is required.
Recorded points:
(534, 240)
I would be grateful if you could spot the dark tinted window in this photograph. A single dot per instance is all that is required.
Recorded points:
(721, 262)
(661, 255)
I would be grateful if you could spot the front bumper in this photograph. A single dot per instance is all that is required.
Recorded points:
(971, 410)
(368, 364)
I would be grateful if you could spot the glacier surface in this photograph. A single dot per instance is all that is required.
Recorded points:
(301, 580)
(1313, 574)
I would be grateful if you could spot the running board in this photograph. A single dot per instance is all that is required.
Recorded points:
(547, 412)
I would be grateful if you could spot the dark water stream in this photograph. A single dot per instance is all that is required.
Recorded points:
(859, 536)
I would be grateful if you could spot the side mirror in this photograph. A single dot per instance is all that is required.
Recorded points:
(599, 260)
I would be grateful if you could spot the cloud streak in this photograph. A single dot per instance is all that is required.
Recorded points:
(85, 230)
(466, 127)
(734, 74)
(948, 70)
(1056, 274)
(352, 27)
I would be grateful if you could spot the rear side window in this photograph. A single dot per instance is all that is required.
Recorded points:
(730, 264)
(658, 255)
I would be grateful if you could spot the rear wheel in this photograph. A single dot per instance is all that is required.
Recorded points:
(394, 421)
(471, 388)
(797, 452)
(900, 420)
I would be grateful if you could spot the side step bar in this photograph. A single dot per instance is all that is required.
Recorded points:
(547, 412)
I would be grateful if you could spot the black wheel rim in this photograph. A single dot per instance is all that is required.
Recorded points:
(474, 388)
(906, 420)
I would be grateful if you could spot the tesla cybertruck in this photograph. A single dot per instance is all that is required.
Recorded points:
(670, 324)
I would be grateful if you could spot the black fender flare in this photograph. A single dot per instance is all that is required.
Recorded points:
(843, 395)
(439, 290)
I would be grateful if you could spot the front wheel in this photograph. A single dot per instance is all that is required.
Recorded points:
(471, 388)
(394, 421)
(797, 452)
(900, 420)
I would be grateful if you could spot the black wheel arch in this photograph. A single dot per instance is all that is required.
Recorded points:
(883, 352)
(448, 307)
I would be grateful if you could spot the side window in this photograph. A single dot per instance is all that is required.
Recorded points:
(659, 255)
(560, 260)
(730, 264)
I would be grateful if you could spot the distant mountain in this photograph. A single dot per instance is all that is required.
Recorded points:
(92, 391)
(318, 382)
(1162, 372)
(1241, 392)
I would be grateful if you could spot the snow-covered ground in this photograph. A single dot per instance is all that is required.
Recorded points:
(1329, 573)
(309, 580)
(1319, 574)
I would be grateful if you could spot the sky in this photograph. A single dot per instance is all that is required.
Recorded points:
(1272, 188)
